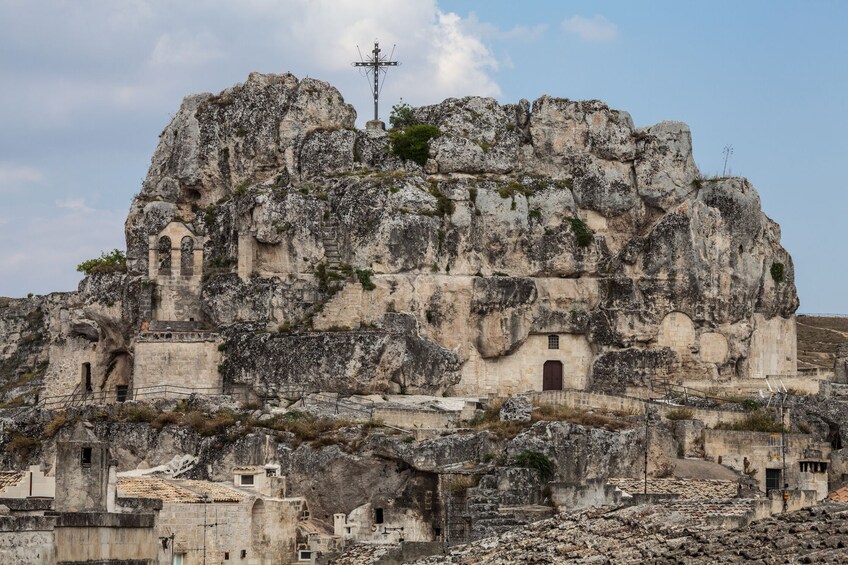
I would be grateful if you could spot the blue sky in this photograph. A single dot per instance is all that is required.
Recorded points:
(88, 86)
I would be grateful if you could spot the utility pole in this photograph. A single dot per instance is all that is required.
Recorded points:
(374, 65)
(647, 417)
(785, 492)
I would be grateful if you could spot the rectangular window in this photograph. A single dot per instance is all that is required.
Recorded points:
(247, 479)
(121, 392)
(378, 515)
(179, 558)
(270, 472)
(304, 555)
(226, 556)
(553, 342)
(85, 457)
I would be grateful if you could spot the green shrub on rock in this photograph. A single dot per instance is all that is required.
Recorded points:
(113, 262)
(413, 142)
(582, 232)
(778, 272)
(535, 460)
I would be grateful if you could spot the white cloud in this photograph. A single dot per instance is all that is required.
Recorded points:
(74, 204)
(461, 62)
(14, 177)
(595, 29)
(184, 49)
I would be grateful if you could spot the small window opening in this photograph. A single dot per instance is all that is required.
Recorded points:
(85, 457)
(270, 472)
(247, 479)
(437, 532)
(378, 515)
(243, 553)
(226, 556)
(304, 555)
(121, 392)
(553, 342)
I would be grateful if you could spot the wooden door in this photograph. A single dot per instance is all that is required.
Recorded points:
(552, 375)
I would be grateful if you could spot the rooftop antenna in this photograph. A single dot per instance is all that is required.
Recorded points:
(727, 151)
(374, 65)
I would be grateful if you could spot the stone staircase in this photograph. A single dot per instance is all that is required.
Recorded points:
(493, 511)
(330, 239)
(342, 310)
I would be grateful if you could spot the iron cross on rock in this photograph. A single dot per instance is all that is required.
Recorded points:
(374, 65)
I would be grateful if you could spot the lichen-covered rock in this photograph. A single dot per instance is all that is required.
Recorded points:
(516, 409)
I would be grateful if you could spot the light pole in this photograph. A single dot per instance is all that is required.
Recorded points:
(205, 498)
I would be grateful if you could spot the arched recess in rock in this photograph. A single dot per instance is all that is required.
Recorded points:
(677, 332)
(163, 254)
(187, 256)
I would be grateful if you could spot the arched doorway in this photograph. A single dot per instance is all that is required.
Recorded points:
(552, 375)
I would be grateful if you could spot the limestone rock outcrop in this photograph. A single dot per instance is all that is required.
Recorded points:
(541, 245)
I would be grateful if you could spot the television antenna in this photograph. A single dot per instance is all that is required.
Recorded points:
(373, 66)
(727, 152)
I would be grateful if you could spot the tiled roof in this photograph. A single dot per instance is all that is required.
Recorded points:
(176, 491)
(688, 489)
(840, 495)
(10, 478)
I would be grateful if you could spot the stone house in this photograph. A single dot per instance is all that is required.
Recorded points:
(85, 522)
(250, 522)
(761, 455)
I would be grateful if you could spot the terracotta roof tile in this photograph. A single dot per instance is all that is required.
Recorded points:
(840, 495)
(10, 478)
(688, 489)
(176, 491)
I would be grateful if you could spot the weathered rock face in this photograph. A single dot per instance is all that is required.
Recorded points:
(552, 232)
(48, 344)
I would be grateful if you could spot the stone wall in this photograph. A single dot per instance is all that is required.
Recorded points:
(754, 452)
(106, 538)
(27, 539)
(33, 484)
(711, 417)
(521, 371)
(411, 418)
(574, 496)
(64, 373)
(169, 362)
(774, 347)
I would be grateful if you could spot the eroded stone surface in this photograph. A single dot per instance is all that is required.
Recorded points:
(313, 238)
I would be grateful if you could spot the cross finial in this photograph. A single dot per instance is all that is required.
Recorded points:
(374, 65)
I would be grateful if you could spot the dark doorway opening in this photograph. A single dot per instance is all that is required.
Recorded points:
(86, 377)
(378, 516)
(552, 375)
(772, 480)
(121, 392)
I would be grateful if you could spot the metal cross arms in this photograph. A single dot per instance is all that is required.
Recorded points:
(374, 65)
